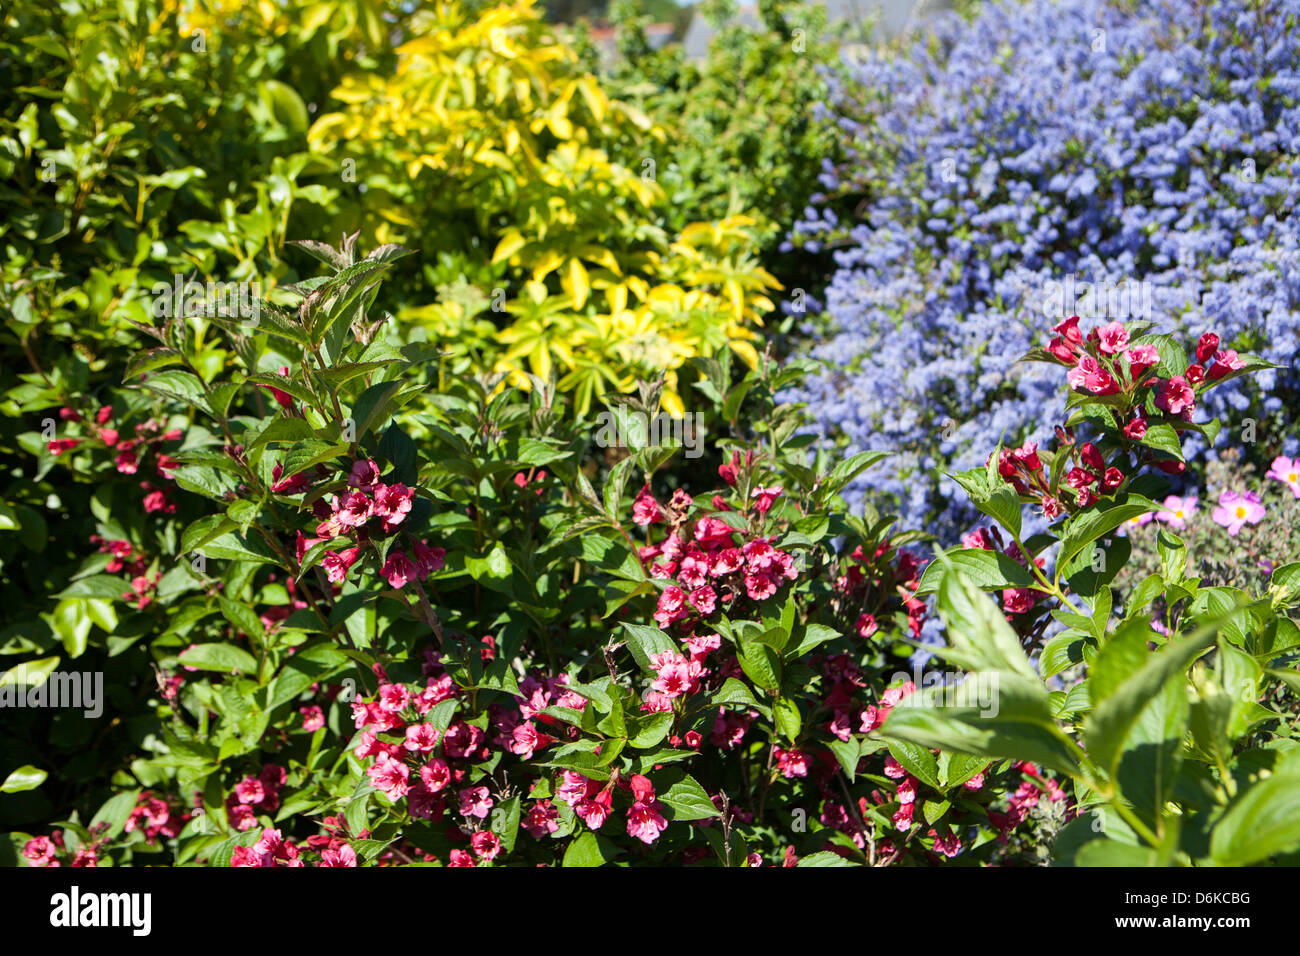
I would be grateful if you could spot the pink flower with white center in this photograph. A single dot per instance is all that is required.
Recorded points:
(241, 817)
(367, 745)
(704, 600)
(975, 783)
(421, 737)
(542, 820)
(574, 788)
(699, 645)
(645, 509)
(343, 856)
(766, 497)
(657, 703)
(338, 563)
(390, 775)
(726, 561)
(475, 802)
(760, 585)
(906, 792)
(645, 822)
(1177, 511)
(594, 811)
(435, 775)
(759, 554)
(365, 474)
(127, 463)
(867, 625)
(41, 851)
(1090, 376)
(1176, 397)
(694, 569)
(313, 718)
(949, 844)
(1287, 471)
(250, 790)
(671, 606)
(893, 769)
(436, 690)
(428, 560)
(393, 504)
(1236, 510)
(792, 763)
(398, 569)
(394, 698)
(485, 844)
(354, 509)
(677, 675)
(1112, 338)
(460, 858)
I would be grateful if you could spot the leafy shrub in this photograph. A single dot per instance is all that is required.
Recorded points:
(392, 622)
(1177, 744)
(1152, 142)
(493, 151)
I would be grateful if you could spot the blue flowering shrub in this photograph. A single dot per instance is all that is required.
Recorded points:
(1047, 159)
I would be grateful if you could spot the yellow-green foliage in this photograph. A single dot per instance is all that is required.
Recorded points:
(489, 143)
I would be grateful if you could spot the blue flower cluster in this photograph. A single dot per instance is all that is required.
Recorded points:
(1043, 145)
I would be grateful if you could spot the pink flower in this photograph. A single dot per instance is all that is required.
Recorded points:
(485, 844)
(428, 560)
(1286, 470)
(1176, 397)
(1177, 511)
(1113, 338)
(1236, 510)
(313, 718)
(364, 475)
(460, 858)
(676, 675)
(398, 569)
(542, 820)
(127, 463)
(343, 856)
(645, 509)
(475, 802)
(1207, 347)
(393, 504)
(1089, 376)
(1140, 359)
(765, 496)
(354, 509)
(698, 646)
(867, 625)
(294, 484)
(671, 607)
(1225, 362)
(338, 563)
(390, 775)
(60, 445)
(435, 774)
(421, 737)
(394, 698)
(645, 822)
(792, 763)
(704, 599)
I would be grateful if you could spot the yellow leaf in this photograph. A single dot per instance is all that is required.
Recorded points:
(577, 284)
(510, 243)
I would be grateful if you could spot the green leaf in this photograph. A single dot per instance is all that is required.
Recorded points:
(26, 777)
(1110, 726)
(1263, 822)
(588, 850)
(688, 800)
(1092, 524)
(644, 642)
(987, 570)
(219, 657)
